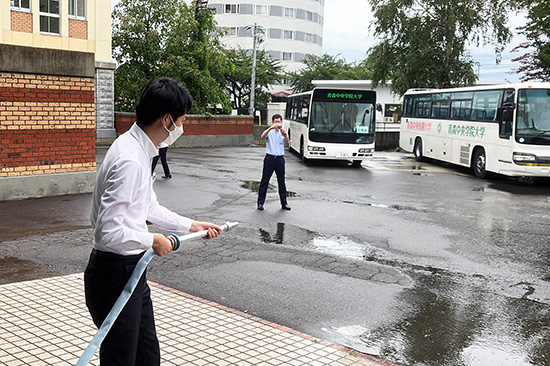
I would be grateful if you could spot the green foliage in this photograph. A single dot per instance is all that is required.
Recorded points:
(326, 67)
(238, 81)
(153, 38)
(423, 42)
(535, 63)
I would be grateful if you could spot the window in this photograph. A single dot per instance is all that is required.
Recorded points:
(21, 4)
(232, 31)
(440, 109)
(49, 16)
(287, 56)
(290, 13)
(441, 104)
(309, 15)
(231, 8)
(309, 37)
(485, 105)
(423, 108)
(262, 10)
(288, 34)
(77, 8)
(461, 109)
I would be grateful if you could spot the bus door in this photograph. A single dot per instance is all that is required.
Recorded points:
(506, 122)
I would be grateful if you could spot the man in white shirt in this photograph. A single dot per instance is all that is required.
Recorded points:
(275, 138)
(122, 203)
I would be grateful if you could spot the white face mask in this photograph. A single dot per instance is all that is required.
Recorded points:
(174, 134)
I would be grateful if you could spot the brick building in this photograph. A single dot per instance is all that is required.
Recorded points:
(56, 95)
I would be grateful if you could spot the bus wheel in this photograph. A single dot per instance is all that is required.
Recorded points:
(418, 150)
(302, 152)
(479, 164)
(356, 163)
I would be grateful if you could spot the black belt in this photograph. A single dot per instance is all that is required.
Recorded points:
(275, 156)
(102, 254)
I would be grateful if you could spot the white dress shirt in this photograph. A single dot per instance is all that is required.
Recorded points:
(124, 199)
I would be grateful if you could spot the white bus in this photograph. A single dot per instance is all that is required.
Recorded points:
(503, 129)
(332, 123)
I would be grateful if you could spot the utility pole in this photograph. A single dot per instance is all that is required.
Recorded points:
(257, 32)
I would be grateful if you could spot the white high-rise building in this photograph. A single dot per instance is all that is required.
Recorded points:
(292, 28)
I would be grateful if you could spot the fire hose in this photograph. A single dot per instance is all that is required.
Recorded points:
(129, 288)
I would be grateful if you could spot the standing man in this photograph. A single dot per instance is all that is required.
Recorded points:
(275, 138)
(122, 203)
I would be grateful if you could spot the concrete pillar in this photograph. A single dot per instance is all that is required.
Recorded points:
(104, 102)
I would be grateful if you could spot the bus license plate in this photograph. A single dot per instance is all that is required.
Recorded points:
(342, 154)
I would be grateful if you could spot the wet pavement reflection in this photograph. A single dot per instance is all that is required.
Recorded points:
(452, 324)
(449, 319)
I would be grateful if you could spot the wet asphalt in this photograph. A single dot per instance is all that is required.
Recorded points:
(415, 263)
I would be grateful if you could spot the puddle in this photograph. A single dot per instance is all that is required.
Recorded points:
(382, 205)
(442, 321)
(15, 270)
(342, 247)
(254, 186)
(337, 245)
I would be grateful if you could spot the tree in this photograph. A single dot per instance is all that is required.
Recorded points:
(154, 38)
(535, 64)
(326, 67)
(423, 42)
(238, 81)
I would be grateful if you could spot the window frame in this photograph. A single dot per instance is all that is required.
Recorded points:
(266, 7)
(286, 59)
(19, 7)
(76, 8)
(230, 7)
(50, 16)
(289, 12)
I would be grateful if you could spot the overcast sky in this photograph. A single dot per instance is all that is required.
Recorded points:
(346, 32)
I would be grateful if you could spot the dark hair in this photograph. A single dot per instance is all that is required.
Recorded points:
(161, 96)
(275, 116)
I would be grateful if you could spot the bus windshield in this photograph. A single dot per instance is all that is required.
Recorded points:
(342, 122)
(533, 116)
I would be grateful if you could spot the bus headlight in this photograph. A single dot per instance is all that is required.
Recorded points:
(315, 148)
(524, 158)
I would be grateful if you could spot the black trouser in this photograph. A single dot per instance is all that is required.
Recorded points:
(132, 339)
(162, 156)
(273, 164)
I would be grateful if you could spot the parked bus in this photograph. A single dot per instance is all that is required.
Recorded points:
(332, 123)
(503, 129)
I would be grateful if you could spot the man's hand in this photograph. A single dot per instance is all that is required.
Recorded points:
(161, 245)
(213, 229)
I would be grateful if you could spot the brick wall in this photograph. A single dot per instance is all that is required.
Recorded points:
(196, 125)
(47, 124)
(21, 21)
(78, 28)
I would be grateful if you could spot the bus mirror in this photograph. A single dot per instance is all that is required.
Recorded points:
(379, 107)
(509, 105)
(304, 112)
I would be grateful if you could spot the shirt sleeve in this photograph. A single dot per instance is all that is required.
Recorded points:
(165, 219)
(114, 224)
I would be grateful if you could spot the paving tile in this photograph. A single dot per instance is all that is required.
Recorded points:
(46, 322)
